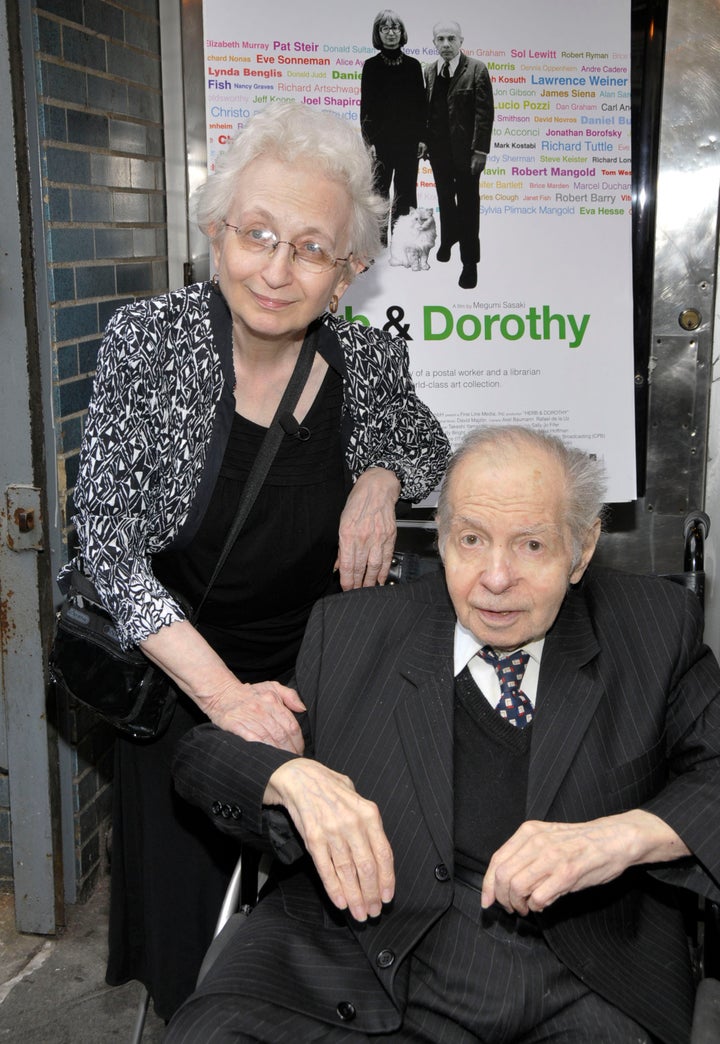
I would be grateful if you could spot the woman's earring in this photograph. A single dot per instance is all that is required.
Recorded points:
(334, 302)
(215, 281)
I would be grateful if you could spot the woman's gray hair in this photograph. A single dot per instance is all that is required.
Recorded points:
(584, 477)
(387, 17)
(295, 134)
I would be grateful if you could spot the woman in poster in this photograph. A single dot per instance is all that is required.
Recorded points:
(186, 386)
(393, 113)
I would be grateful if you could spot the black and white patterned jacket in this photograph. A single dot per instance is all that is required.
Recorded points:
(159, 420)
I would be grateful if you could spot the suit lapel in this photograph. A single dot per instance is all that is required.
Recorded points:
(568, 695)
(425, 722)
(431, 76)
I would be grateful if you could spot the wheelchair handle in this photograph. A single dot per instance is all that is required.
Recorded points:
(696, 526)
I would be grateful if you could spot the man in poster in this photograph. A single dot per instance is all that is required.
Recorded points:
(459, 130)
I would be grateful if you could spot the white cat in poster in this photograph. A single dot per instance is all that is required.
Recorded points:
(413, 238)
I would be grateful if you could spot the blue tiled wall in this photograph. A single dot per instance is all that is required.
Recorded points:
(97, 67)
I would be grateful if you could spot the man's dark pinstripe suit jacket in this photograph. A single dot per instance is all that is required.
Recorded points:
(628, 715)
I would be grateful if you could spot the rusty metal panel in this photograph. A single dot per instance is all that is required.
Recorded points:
(26, 751)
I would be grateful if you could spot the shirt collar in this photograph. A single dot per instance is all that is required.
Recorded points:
(466, 646)
(454, 62)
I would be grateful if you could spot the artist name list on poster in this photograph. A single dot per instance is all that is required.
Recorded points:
(244, 75)
(561, 142)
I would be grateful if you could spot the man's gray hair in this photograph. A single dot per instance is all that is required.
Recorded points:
(295, 134)
(584, 476)
(446, 25)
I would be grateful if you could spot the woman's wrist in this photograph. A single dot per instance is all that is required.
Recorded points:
(381, 474)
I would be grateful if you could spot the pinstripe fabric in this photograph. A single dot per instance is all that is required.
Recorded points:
(375, 672)
(507, 987)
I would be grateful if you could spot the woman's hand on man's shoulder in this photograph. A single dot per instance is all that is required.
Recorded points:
(368, 530)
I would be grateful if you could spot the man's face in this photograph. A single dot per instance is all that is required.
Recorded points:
(508, 551)
(448, 40)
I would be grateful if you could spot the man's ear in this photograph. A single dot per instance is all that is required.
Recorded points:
(591, 539)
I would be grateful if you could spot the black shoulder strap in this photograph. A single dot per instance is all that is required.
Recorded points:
(265, 457)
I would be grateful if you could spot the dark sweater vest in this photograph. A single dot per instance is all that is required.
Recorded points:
(490, 776)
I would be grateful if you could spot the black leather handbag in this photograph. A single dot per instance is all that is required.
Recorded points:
(87, 661)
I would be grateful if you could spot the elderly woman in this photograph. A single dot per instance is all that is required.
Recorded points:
(393, 112)
(186, 387)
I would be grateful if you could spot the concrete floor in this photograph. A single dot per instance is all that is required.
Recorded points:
(52, 989)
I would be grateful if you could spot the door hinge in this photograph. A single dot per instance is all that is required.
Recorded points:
(24, 518)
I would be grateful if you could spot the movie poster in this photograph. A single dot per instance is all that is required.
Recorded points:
(538, 330)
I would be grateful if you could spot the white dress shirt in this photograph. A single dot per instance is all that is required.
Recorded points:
(452, 65)
(465, 651)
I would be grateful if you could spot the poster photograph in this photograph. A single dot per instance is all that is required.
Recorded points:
(511, 282)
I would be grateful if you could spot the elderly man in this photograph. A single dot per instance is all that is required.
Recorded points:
(460, 121)
(511, 772)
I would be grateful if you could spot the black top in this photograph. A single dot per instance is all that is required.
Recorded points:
(392, 102)
(491, 770)
(282, 562)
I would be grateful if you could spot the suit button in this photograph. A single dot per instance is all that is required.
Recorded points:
(216, 808)
(385, 959)
(346, 1011)
(235, 812)
(442, 873)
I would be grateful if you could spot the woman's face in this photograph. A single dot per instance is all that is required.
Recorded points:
(269, 295)
(390, 35)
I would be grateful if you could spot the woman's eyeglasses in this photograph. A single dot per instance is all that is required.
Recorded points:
(307, 253)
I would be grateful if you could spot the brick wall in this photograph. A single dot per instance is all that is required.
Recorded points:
(98, 81)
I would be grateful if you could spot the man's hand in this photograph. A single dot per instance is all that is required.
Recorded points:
(477, 163)
(543, 861)
(368, 530)
(342, 831)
